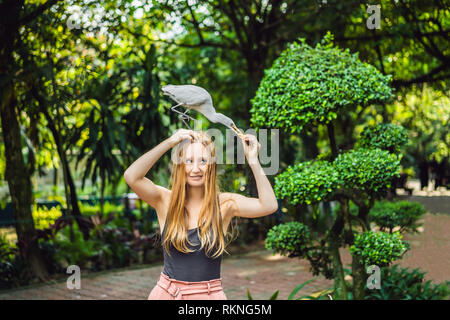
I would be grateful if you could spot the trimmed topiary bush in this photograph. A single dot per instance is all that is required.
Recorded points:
(292, 238)
(385, 136)
(306, 182)
(308, 85)
(378, 248)
(368, 170)
(403, 214)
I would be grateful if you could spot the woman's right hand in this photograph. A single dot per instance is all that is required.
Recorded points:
(180, 135)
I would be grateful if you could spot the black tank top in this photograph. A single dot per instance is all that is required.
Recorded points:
(191, 266)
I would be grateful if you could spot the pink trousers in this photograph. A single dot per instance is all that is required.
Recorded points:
(171, 289)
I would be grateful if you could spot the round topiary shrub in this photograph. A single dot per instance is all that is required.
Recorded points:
(368, 170)
(292, 238)
(386, 136)
(306, 182)
(378, 248)
(403, 214)
(310, 84)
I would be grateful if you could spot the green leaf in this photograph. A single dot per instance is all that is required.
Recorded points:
(274, 296)
(249, 295)
(299, 287)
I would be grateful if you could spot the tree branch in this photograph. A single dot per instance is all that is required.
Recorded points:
(37, 12)
(195, 23)
(424, 78)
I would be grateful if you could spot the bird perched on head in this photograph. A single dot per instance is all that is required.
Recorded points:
(197, 98)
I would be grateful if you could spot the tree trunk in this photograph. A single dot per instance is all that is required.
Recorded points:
(310, 143)
(331, 137)
(19, 183)
(102, 192)
(358, 267)
(363, 213)
(55, 177)
(359, 278)
(340, 289)
(358, 270)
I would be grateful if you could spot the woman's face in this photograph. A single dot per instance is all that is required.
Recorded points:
(196, 163)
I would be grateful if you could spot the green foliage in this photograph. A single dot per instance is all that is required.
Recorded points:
(378, 248)
(108, 207)
(289, 238)
(426, 114)
(108, 247)
(404, 214)
(298, 288)
(405, 284)
(13, 268)
(7, 249)
(274, 296)
(369, 170)
(309, 85)
(115, 248)
(73, 249)
(385, 136)
(43, 216)
(293, 293)
(307, 182)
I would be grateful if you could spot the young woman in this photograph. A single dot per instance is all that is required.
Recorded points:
(193, 216)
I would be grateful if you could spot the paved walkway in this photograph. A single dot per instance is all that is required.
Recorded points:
(259, 271)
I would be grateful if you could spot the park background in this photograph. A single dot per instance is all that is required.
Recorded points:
(81, 100)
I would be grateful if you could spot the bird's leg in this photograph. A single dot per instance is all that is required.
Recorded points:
(182, 115)
(187, 124)
(185, 116)
(173, 108)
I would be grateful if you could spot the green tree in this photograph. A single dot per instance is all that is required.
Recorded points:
(105, 133)
(311, 86)
(14, 15)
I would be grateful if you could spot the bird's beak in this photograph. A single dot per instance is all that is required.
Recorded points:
(236, 130)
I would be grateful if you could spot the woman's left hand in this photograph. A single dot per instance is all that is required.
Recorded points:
(252, 150)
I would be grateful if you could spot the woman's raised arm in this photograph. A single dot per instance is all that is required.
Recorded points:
(266, 203)
(134, 175)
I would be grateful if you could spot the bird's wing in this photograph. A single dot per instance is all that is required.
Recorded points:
(189, 95)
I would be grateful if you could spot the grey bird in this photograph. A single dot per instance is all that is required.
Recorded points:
(197, 98)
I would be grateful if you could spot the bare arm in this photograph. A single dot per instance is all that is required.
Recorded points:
(265, 204)
(135, 174)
